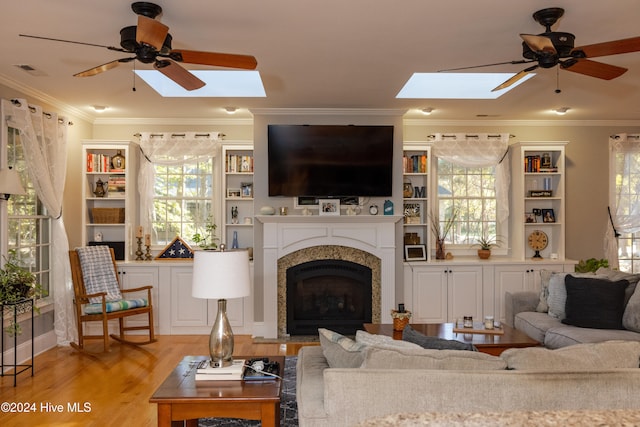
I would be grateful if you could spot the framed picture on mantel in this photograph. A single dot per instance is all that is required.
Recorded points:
(329, 207)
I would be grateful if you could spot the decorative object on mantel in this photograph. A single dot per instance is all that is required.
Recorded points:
(267, 210)
(178, 249)
(400, 317)
(440, 234)
(388, 207)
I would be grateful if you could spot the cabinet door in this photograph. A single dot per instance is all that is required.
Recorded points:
(135, 277)
(429, 303)
(465, 292)
(186, 311)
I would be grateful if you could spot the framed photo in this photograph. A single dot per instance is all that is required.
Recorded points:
(233, 193)
(548, 215)
(415, 253)
(530, 218)
(329, 206)
(247, 189)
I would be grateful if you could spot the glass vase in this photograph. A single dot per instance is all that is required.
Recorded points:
(440, 254)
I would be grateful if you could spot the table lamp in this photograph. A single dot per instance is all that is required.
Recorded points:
(221, 275)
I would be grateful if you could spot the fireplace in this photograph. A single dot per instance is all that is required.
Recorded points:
(332, 294)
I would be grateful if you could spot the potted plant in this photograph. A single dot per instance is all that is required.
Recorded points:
(17, 285)
(207, 240)
(486, 243)
(441, 234)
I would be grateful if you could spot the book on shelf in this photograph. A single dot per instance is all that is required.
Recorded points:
(116, 186)
(98, 162)
(239, 163)
(205, 372)
(416, 163)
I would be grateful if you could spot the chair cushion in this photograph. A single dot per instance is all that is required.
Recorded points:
(116, 305)
(98, 272)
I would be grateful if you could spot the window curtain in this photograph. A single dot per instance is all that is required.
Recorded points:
(624, 205)
(169, 149)
(44, 141)
(479, 151)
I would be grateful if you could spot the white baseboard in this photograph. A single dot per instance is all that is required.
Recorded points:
(41, 344)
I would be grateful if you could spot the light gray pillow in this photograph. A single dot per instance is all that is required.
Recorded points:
(615, 275)
(340, 351)
(382, 341)
(543, 305)
(578, 357)
(405, 358)
(631, 315)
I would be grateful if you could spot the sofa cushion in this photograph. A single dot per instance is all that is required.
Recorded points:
(565, 335)
(380, 358)
(558, 292)
(631, 315)
(543, 305)
(579, 357)
(535, 324)
(411, 335)
(383, 341)
(340, 351)
(594, 303)
(615, 275)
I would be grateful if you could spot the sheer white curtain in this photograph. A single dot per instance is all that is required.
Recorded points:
(44, 141)
(169, 149)
(624, 189)
(479, 151)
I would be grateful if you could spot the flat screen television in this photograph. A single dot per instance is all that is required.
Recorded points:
(330, 160)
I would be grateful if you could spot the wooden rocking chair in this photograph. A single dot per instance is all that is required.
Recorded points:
(102, 305)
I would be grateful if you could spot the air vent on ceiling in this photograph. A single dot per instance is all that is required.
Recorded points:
(30, 69)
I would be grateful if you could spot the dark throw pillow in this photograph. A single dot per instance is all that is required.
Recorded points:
(411, 335)
(594, 303)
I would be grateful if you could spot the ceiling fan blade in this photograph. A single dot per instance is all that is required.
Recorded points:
(515, 78)
(178, 74)
(151, 32)
(593, 68)
(520, 61)
(102, 68)
(74, 42)
(538, 43)
(215, 59)
(610, 48)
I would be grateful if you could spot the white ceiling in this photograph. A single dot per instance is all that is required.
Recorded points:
(330, 54)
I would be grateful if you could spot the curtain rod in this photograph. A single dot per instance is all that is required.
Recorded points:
(44, 113)
(469, 136)
(173, 135)
(628, 136)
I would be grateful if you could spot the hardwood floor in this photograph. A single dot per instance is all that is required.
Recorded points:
(70, 388)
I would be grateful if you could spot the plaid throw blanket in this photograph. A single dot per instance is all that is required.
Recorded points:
(98, 272)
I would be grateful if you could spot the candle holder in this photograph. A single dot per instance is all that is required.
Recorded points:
(139, 252)
(147, 254)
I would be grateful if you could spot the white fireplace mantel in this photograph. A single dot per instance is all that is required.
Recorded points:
(284, 234)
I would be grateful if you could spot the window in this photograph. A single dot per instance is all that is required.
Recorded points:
(470, 193)
(183, 200)
(29, 226)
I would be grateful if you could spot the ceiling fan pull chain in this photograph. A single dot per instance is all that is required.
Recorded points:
(133, 89)
(558, 90)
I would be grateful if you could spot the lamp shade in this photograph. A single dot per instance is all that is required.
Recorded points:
(10, 182)
(221, 274)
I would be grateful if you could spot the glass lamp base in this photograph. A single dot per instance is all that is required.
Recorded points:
(221, 338)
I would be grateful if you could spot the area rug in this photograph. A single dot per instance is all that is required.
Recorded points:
(288, 405)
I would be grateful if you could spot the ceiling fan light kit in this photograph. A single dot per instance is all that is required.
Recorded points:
(150, 42)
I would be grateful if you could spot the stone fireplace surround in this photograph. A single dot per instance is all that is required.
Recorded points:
(289, 240)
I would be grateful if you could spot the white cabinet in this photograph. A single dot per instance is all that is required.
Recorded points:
(415, 197)
(109, 194)
(444, 292)
(538, 198)
(237, 185)
(136, 276)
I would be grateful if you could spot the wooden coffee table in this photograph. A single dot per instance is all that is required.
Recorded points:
(486, 343)
(180, 397)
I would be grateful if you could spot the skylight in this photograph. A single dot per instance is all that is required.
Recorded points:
(457, 85)
(219, 83)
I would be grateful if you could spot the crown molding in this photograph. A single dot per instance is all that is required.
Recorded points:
(173, 121)
(546, 123)
(35, 94)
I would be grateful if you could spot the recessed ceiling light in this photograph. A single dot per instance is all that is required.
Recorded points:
(427, 111)
(230, 110)
(100, 108)
(561, 111)
(218, 83)
(457, 85)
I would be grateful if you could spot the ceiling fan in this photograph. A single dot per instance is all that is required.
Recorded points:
(553, 48)
(150, 41)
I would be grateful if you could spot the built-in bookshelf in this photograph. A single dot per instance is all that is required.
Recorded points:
(108, 194)
(415, 197)
(237, 206)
